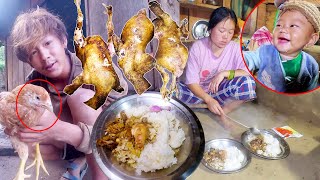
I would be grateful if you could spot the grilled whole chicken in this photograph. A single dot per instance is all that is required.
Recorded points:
(171, 55)
(97, 65)
(130, 48)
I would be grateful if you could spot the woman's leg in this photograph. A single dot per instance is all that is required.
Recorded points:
(83, 113)
(238, 90)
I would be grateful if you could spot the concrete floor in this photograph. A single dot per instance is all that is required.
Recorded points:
(302, 163)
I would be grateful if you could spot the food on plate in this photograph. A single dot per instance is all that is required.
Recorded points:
(264, 144)
(144, 139)
(224, 158)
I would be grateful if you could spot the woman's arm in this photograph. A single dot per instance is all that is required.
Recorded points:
(213, 105)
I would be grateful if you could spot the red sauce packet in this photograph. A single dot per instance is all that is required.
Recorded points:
(286, 132)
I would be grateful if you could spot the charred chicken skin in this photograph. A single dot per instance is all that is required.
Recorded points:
(171, 55)
(130, 48)
(96, 63)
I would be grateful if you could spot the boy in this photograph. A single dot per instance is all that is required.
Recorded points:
(40, 39)
(283, 66)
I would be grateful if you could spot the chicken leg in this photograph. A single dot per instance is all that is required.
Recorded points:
(38, 161)
(22, 150)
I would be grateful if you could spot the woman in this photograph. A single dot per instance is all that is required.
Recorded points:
(215, 72)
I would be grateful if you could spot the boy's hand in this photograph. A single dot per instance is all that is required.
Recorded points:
(46, 120)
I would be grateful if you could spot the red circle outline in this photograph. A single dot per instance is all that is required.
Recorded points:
(43, 80)
(256, 79)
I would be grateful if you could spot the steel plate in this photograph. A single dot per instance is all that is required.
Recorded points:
(189, 156)
(285, 149)
(227, 143)
(199, 29)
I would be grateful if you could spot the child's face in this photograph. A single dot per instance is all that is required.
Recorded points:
(292, 32)
(222, 33)
(48, 57)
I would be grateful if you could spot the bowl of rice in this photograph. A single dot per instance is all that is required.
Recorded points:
(146, 137)
(266, 144)
(225, 156)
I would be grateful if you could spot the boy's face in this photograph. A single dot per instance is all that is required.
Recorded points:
(292, 32)
(222, 33)
(48, 57)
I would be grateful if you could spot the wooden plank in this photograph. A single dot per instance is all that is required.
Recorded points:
(261, 16)
(197, 5)
(227, 3)
(9, 62)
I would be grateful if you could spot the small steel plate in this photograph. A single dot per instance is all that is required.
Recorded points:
(227, 143)
(285, 149)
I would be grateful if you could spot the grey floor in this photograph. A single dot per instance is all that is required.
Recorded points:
(251, 114)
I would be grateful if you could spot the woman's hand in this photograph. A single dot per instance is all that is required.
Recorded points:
(214, 106)
(215, 82)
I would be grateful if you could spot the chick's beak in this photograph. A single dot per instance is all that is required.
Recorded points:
(48, 105)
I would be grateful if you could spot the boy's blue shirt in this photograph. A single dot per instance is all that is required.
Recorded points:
(267, 61)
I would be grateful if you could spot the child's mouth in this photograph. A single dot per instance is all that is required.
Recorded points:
(283, 40)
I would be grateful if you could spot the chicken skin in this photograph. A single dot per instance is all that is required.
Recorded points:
(130, 48)
(32, 102)
(96, 63)
(171, 55)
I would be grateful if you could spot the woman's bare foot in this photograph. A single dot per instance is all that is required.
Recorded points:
(225, 122)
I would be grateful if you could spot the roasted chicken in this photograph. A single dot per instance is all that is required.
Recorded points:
(171, 55)
(130, 48)
(32, 102)
(97, 65)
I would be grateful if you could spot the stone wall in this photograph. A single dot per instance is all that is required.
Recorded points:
(304, 106)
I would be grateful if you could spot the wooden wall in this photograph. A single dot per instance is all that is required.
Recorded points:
(16, 70)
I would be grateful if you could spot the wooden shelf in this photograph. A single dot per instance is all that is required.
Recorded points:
(195, 4)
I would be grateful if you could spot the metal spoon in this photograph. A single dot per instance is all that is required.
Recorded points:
(253, 130)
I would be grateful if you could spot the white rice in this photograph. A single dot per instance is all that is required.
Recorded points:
(234, 158)
(169, 136)
(272, 147)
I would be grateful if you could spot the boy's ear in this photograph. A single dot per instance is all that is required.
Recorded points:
(313, 40)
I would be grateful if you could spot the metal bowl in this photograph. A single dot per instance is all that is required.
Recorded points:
(189, 156)
(227, 143)
(285, 149)
(200, 29)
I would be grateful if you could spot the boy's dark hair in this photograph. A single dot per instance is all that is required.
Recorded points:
(219, 15)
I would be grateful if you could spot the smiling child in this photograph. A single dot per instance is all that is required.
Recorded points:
(283, 66)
